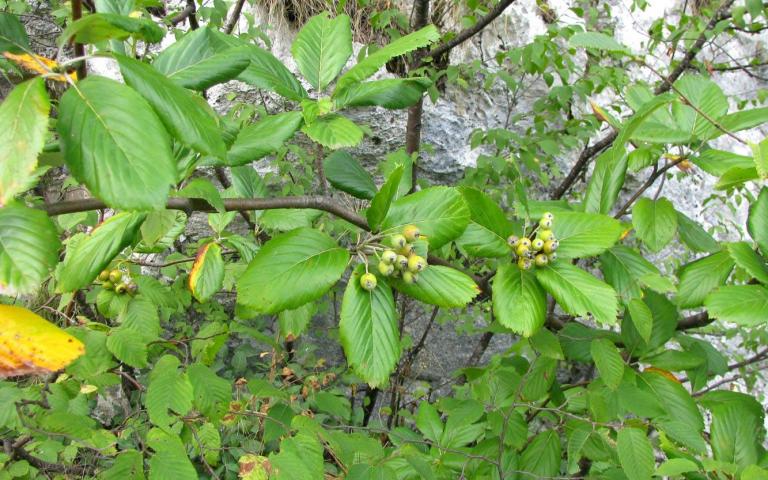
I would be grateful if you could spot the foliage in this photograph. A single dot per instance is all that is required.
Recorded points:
(200, 356)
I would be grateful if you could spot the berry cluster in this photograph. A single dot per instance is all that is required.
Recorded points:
(399, 261)
(538, 251)
(117, 281)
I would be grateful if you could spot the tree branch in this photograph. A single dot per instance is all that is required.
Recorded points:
(234, 17)
(77, 13)
(470, 32)
(230, 204)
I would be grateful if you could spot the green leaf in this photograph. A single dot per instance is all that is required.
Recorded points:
(263, 137)
(440, 213)
(541, 458)
(29, 246)
(170, 459)
(441, 286)
(519, 302)
(655, 222)
(13, 36)
(597, 41)
(334, 131)
(368, 330)
(97, 27)
(585, 234)
(284, 219)
(717, 162)
(682, 419)
(383, 199)
(295, 322)
(290, 270)
(210, 391)
(183, 116)
(707, 97)
(265, 71)
(741, 304)
(300, 458)
(114, 143)
(160, 229)
(346, 174)
(737, 430)
(393, 93)
(193, 61)
(635, 453)
(699, 278)
(322, 48)
(168, 389)
(609, 363)
(127, 347)
(428, 421)
(578, 292)
(606, 181)
(747, 259)
(642, 318)
(675, 467)
(23, 125)
(92, 254)
(203, 189)
(128, 465)
(139, 325)
(66, 423)
(207, 274)
(694, 236)
(736, 177)
(373, 62)
(743, 120)
(488, 229)
(627, 272)
(757, 223)
(247, 182)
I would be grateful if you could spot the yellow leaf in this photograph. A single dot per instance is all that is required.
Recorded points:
(38, 64)
(30, 344)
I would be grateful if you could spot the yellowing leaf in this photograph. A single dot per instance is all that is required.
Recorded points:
(30, 344)
(38, 64)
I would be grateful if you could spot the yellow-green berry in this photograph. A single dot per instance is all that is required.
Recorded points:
(525, 241)
(513, 240)
(546, 234)
(552, 257)
(389, 256)
(524, 263)
(121, 288)
(406, 250)
(104, 275)
(545, 223)
(386, 269)
(368, 281)
(416, 263)
(410, 277)
(537, 244)
(402, 262)
(550, 246)
(521, 250)
(541, 260)
(548, 216)
(115, 276)
(398, 241)
(411, 233)
(107, 285)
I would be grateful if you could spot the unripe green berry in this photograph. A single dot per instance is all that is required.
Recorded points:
(552, 257)
(550, 246)
(521, 250)
(524, 263)
(389, 256)
(406, 250)
(386, 269)
(513, 240)
(541, 260)
(410, 277)
(546, 234)
(525, 241)
(397, 241)
(104, 275)
(416, 263)
(133, 288)
(545, 223)
(402, 262)
(121, 288)
(548, 216)
(368, 281)
(115, 276)
(411, 233)
(107, 285)
(537, 244)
